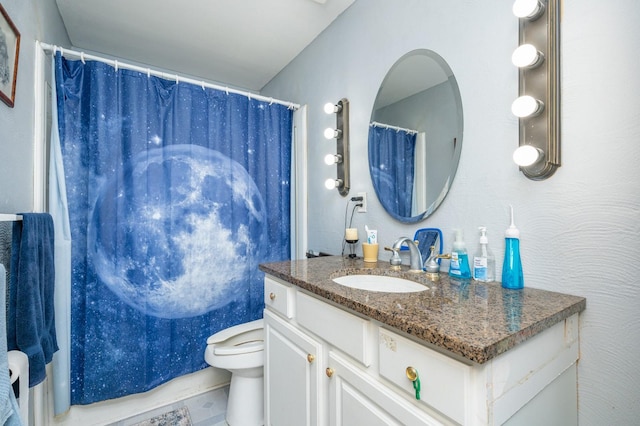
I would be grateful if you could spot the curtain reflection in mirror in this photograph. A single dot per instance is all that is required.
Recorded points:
(392, 164)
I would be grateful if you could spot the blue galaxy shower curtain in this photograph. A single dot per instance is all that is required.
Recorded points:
(392, 162)
(176, 193)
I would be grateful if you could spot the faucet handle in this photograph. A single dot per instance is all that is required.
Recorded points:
(432, 262)
(395, 257)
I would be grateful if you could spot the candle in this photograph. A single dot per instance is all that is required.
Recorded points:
(351, 234)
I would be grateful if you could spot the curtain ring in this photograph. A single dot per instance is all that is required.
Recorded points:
(177, 81)
(226, 89)
(82, 57)
(61, 51)
(271, 101)
(202, 82)
(148, 72)
(116, 65)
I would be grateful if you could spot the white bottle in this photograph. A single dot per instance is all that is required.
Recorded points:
(484, 263)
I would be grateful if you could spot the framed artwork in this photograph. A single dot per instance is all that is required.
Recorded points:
(9, 51)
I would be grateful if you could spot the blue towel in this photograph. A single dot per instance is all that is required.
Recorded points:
(8, 405)
(31, 323)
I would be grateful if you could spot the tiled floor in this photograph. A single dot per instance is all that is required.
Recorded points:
(207, 409)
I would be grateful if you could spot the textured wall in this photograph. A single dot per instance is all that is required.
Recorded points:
(579, 229)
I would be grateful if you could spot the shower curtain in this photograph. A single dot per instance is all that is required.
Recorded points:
(175, 194)
(392, 162)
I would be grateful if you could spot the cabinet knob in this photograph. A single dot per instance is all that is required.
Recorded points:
(329, 371)
(310, 358)
(412, 374)
(272, 296)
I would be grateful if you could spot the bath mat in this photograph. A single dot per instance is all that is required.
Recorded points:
(177, 417)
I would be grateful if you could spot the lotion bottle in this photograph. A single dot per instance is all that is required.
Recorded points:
(459, 266)
(512, 277)
(484, 263)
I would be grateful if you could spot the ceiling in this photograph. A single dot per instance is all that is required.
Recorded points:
(241, 43)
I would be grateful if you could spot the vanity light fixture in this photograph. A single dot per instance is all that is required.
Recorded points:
(538, 104)
(341, 135)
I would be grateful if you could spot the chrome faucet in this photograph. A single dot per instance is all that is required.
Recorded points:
(416, 257)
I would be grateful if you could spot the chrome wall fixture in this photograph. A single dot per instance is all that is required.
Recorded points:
(341, 135)
(538, 104)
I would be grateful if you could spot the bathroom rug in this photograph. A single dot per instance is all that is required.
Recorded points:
(177, 417)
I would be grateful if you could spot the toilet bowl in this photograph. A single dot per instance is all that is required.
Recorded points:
(239, 349)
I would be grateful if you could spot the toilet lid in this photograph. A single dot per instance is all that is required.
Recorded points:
(242, 348)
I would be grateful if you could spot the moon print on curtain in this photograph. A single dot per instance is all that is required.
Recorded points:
(175, 194)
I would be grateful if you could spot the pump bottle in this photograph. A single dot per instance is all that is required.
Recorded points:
(459, 266)
(512, 277)
(484, 263)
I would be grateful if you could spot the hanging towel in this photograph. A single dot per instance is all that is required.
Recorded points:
(31, 324)
(8, 405)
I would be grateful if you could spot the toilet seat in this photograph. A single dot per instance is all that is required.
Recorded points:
(237, 347)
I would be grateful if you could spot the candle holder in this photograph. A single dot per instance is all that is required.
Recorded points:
(351, 237)
(352, 248)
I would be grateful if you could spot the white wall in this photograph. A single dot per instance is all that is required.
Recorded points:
(35, 20)
(579, 229)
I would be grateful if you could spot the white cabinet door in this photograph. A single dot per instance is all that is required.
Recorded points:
(292, 375)
(356, 398)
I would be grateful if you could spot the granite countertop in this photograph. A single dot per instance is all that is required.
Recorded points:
(475, 320)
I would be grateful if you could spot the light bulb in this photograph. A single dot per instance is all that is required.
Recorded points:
(330, 133)
(526, 106)
(332, 183)
(331, 159)
(527, 56)
(330, 108)
(530, 9)
(527, 155)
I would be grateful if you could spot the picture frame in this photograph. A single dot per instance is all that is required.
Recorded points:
(9, 52)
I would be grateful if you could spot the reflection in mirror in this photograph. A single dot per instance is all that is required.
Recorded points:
(415, 136)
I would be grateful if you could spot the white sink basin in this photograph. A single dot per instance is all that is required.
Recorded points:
(380, 283)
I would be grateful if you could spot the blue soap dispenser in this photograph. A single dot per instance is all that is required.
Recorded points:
(459, 266)
(512, 267)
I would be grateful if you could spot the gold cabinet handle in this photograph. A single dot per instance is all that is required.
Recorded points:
(329, 371)
(310, 358)
(412, 374)
(272, 296)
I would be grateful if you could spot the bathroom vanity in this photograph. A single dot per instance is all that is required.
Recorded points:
(336, 355)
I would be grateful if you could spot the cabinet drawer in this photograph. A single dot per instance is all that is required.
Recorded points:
(341, 329)
(356, 398)
(445, 382)
(278, 297)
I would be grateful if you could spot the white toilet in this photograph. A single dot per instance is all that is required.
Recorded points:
(240, 349)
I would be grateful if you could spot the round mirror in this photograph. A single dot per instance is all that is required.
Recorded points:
(415, 136)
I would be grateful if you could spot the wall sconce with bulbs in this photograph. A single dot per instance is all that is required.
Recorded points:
(341, 135)
(538, 106)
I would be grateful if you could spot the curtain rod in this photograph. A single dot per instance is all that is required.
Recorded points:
(396, 128)
(9, 217)
(167, 76)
